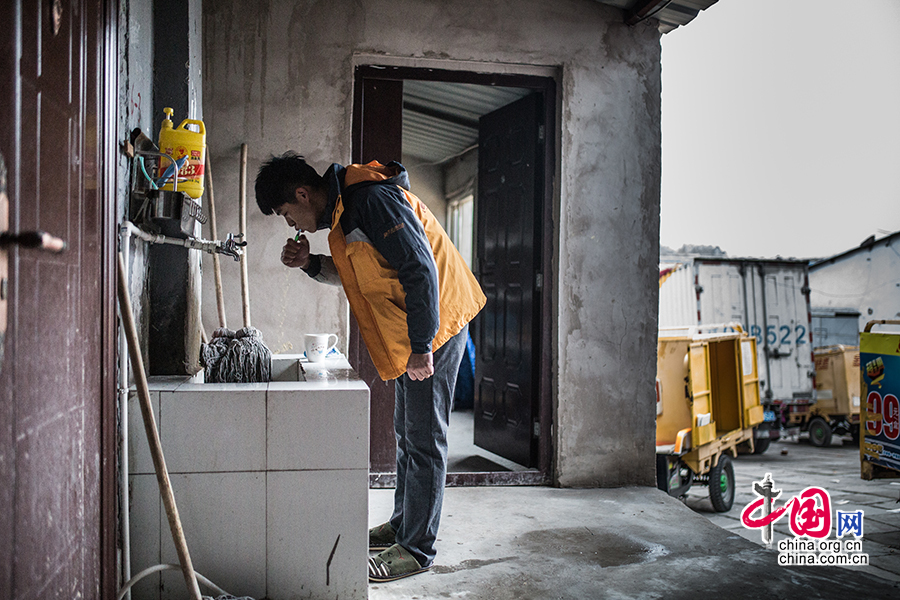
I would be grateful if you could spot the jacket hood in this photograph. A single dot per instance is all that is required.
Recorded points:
(340, 179)
(392, 173)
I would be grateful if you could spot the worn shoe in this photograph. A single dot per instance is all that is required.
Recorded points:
(382, 537)
(393, 563)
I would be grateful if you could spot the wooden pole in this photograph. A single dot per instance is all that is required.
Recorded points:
(159, 461)
(214, 234)
(245, 278)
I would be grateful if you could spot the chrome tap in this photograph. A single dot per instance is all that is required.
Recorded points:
(232, 246)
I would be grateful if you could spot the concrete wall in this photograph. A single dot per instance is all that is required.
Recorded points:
(461, 175)
(150, 77)
(867, 280)
(136, 102)
(174, 272)
(279, 75)
(427, 182)
(609, 244)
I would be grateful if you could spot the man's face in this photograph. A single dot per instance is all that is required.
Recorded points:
(299, 214)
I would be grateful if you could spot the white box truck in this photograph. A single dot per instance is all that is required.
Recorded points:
(769, 298)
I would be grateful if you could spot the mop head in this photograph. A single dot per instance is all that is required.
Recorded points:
(236, 357)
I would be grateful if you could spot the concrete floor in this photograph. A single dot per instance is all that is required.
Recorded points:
(795, 465)
(541, 543)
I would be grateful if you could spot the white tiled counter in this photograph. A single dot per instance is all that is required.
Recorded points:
(271, 482)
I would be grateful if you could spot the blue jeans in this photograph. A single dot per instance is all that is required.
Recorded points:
(421, 418)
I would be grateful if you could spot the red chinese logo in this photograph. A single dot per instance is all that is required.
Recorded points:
(810, 513)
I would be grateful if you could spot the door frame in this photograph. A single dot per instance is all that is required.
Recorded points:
(363, 130)
(100, 47)
(107, 126)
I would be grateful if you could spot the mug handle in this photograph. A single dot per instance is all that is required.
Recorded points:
(330, 344)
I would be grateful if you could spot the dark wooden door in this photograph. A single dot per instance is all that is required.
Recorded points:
(509, 179)
(57, 411)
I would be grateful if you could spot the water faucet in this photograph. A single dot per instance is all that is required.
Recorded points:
(232, 246)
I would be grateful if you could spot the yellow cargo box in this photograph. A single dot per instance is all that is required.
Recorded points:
(837, 405)
(837, 380)
(707, 382)
(707, 395)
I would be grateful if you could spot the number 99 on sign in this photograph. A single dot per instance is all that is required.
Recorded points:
(883, 415)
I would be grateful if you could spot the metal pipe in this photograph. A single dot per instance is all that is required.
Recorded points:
(125, 241)
(156, 238)
(230, 246)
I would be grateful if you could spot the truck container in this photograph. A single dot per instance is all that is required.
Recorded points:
(769, 298)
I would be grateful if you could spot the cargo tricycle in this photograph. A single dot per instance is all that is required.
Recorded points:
(836, 407)
(707, 405)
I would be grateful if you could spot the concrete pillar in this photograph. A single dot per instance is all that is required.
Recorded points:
(174, 272)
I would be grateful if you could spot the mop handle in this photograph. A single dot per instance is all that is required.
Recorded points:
(214, 234)
(242, 202)
(159, 462)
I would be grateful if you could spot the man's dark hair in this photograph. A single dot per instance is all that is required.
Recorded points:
(280, 176)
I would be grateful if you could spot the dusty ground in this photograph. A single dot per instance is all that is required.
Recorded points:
(795, 465)
(537, 543)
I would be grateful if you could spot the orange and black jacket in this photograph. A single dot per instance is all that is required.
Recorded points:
(407, 285)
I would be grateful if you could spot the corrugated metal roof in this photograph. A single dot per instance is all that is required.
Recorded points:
(669, 13)
(440, 120)
(868, 245)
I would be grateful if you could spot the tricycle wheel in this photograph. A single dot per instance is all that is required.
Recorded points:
(721, 484)
(819, 432)
(760, 445)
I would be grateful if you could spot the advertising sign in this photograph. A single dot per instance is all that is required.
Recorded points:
(880, 391)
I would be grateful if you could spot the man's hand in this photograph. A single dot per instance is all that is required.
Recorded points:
(420, 366)
(296, 253)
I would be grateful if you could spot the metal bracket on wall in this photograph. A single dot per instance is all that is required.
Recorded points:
(151, 202)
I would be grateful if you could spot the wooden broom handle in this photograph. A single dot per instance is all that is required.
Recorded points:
(214, 234)
(245, 278)
(159, 462)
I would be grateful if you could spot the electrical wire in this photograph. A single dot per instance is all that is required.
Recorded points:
(140, 160)
(167, 567)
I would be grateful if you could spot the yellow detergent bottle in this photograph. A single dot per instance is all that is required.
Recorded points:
(179, 142)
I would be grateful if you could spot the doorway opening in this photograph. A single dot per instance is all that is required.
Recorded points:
(479, 153)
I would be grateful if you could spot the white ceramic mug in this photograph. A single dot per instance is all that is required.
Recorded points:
(318, 345)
